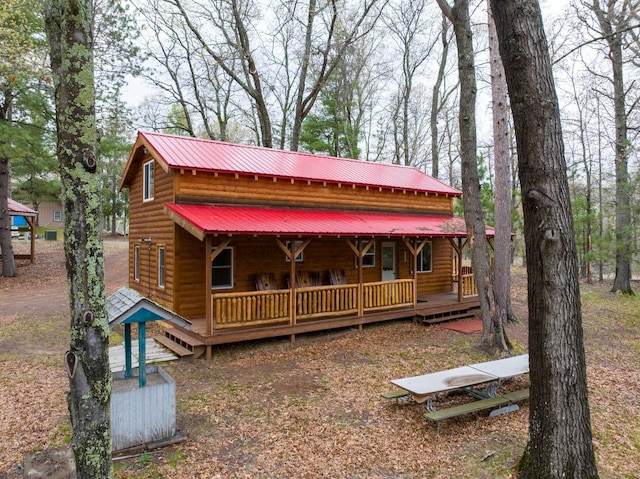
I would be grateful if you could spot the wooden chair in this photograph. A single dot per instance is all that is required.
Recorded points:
(266, 282)
(337, 276)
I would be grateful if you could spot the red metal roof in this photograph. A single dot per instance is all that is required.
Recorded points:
(201, 220)
(17, 209)
(207, 155)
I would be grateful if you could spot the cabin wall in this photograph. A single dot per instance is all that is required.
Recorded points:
(254, 190)
(147, 220)
(190, 275)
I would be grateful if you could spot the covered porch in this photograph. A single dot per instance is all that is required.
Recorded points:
(416, 276)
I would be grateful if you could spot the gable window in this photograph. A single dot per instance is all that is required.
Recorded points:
(222, 270)
(161, 266)
(425, 258)
(300, 257)
(147, 186)
(136, 263)
(57, 216)
(369, 259)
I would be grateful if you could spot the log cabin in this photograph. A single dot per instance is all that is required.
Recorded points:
(249, 242)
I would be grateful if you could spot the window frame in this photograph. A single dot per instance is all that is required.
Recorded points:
(136, 263)
(162, 266)
(300, 257)
(420, 264)
(230, 267)
(148, 181)
(366, 263)
(57, 216)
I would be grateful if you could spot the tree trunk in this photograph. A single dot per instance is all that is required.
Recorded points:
(622, 281)
(502, 209)
(493, 335)
(560, 442)
(6, 248)
(69, 33)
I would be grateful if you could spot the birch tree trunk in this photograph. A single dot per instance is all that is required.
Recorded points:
(560, 442)
(69, 32)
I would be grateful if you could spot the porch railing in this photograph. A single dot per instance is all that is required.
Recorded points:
(468, 286)
(255, 308)
(250, 308)
(388, 294)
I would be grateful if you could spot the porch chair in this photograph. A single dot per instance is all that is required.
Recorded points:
(337, 276)
(266, 282)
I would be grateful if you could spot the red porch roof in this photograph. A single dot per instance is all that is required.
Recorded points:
(18, 209)
(178, 152)
(202, 220)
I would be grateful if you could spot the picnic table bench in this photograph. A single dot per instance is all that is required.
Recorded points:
(502, 403)
(488, 375)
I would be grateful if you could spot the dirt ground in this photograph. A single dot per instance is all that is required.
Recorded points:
(311, 409)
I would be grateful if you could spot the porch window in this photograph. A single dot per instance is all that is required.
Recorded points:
(222, 270)
(425, 258)
(300, 257)
(161, 266)
(147, 185)
(369, 259)
(136, 263)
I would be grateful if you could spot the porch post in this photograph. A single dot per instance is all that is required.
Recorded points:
(415, 249)
(458, 247)
(207, 271)
(32, 228)
(360, 251)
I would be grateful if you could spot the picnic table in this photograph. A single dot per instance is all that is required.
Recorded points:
(490, 375)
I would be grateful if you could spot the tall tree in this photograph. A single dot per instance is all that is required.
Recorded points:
(560, 442)
(501, 160)
(439, 97)
(493, 334)
(22, 69)
(70, 36)
(613, 20)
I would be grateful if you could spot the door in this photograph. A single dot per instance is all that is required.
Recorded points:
(388, 261)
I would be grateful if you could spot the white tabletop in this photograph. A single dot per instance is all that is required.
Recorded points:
(505, 368)
(429, 384)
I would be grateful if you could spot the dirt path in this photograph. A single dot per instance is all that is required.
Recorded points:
(38, 289)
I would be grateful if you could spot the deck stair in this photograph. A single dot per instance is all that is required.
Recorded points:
(181, 343)
(434, 318)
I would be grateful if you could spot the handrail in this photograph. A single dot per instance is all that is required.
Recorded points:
(271, 307)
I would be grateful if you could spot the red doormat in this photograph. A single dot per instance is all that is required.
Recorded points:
(467, 326)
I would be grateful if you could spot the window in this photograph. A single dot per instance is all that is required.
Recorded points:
(161, 266)
(136, 263)
(222, 270)
(147, 186)
(300, 257)
(425, 262)
(369, 259)
(57, 216)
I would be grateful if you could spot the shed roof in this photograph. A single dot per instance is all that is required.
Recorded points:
(128, 306)
(201, 220)
(18, 209)
(178, 152)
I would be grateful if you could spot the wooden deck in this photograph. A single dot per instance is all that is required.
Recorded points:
(431, 308)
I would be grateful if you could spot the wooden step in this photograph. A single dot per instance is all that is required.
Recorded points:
(428, 319)
(185, 340)
(173, 346)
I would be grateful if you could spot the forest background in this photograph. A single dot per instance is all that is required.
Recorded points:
(368, 79)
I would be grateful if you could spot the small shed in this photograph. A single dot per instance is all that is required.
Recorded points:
(143, 411)
(17, 210)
